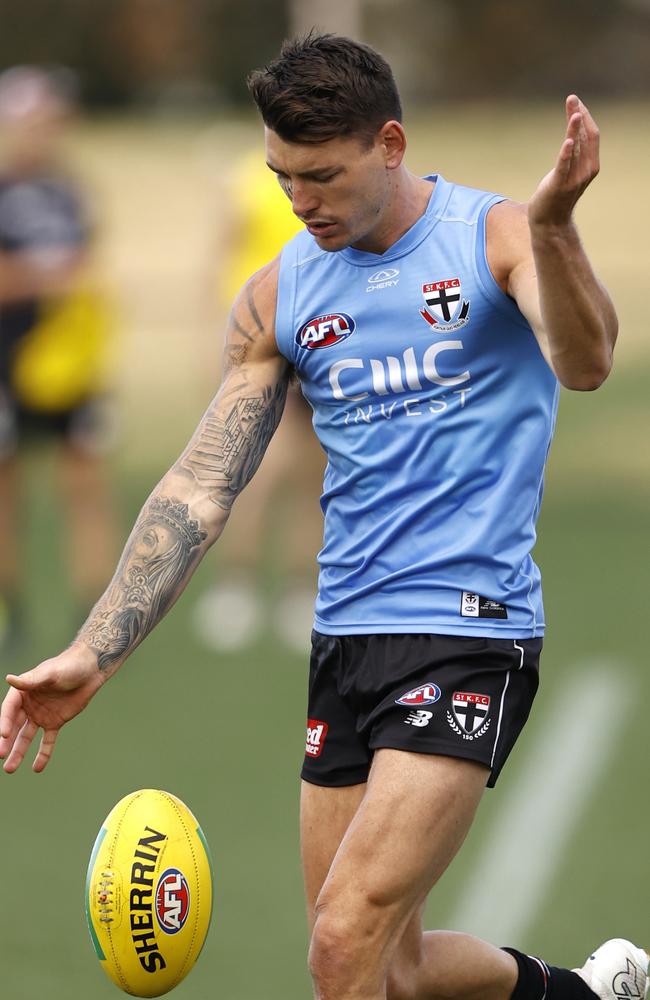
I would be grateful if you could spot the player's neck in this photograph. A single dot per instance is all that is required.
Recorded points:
(408, 203)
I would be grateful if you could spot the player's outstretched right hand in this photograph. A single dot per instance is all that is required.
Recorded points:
(46, 698)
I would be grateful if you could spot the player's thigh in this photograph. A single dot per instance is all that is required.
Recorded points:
(412, 820)
(325, 815)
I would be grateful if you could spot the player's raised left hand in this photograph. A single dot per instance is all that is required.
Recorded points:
(577, 164)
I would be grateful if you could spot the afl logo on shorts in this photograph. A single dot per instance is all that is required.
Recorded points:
(426, 694)
(172, 901)
(325, 331)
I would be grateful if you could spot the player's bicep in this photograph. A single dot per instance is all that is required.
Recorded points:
(231, 439)
(522, 286)
(511, 261)
(235, 432)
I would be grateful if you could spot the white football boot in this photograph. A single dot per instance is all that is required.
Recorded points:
(618, 970)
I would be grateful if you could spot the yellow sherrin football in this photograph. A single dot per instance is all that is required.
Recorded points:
(149, 893)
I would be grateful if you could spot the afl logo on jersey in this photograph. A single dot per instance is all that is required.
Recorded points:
(325, 331)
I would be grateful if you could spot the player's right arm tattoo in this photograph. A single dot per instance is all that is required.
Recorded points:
(157, 561)
(232, 439)
(235, 432)
(167, 541)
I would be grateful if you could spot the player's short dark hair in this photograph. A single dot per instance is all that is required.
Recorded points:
(324, 86)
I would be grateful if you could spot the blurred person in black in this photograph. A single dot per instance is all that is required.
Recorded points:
(53, 327)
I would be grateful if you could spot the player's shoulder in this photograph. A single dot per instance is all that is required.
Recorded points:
(507, 238)
(459, 203)
(252, 319)
(263, 282)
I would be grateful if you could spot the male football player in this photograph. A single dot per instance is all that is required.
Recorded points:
(431, 326)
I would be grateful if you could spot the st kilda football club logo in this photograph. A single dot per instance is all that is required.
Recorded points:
(446, 308)
(470, 719)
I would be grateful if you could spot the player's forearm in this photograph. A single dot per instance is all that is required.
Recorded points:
(169, 538)
(577, 313)
(184, 515)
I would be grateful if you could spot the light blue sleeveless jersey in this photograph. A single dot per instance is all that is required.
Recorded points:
(436, 409)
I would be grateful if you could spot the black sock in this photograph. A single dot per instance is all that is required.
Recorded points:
(539, 981)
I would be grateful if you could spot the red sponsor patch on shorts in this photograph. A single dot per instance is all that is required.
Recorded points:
(316, 733)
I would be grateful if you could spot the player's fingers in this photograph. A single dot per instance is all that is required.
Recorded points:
(590, 124)
(565, 158)
(575, 131)
(21, 746)
(572, 104)
(45, 750)
(24, 682)
(592, 139)
(12, 706)
(6, 742)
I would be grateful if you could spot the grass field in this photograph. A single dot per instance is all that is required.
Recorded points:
(226, 734)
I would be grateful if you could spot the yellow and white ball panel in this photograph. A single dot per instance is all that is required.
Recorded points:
(149, 892)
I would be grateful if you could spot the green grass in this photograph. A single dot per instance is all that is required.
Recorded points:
(227, 734)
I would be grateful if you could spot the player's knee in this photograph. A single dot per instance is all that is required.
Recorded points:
(332, 950)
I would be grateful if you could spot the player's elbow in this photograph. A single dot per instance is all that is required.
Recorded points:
(587, 379)
(589, 372)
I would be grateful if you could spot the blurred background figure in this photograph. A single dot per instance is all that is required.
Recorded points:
(277, 518)
(53, 338)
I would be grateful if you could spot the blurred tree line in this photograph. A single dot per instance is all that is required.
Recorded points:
(196, 52)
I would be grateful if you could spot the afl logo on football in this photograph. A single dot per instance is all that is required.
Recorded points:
(172, 901)
(325, 331)
(426, 694)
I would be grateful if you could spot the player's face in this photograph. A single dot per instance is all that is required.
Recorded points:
(341, 189)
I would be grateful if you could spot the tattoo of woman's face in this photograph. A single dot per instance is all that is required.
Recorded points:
(154, 565)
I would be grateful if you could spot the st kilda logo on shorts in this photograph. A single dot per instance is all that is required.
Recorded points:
(445, 305)
(325, 331)
(470, 719)
(426, 694)
(316, 733)
(172, 901)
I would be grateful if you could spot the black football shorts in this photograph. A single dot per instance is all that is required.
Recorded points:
(437, 694)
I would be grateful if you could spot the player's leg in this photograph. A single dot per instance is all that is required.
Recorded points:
(414, 816)
(325, 815)
(400, 835)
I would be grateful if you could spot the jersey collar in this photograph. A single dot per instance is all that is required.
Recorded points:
(413, 236)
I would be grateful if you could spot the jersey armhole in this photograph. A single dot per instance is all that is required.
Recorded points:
(488, 282)
(285, 306)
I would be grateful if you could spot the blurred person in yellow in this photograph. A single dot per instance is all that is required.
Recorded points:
(54, 328)
(280, 509)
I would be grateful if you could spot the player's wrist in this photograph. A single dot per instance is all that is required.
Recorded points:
(549, 226)
(87, 658)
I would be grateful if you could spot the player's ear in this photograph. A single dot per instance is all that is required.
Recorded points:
(392, 138)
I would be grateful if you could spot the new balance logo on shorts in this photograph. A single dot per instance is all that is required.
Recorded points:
(316, 733)
(419, 718)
